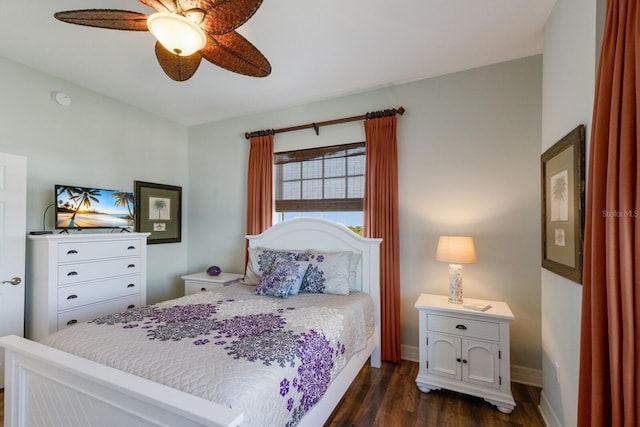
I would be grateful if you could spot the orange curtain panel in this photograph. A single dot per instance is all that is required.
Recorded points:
(609, 383)
(381, 221)
(259, 185)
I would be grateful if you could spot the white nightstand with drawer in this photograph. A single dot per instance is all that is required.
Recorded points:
(202, 282)
(465, 350)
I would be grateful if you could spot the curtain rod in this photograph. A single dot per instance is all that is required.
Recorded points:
(316, 126)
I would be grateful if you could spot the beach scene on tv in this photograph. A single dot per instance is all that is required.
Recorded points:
(83, 207)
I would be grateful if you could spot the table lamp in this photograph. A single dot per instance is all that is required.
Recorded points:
(456, 250)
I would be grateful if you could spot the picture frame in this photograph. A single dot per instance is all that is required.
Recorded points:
(158, 211)
(562, 171)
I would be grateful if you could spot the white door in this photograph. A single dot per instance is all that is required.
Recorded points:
(13, 207)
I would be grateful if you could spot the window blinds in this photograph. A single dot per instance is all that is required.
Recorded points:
(320, 179)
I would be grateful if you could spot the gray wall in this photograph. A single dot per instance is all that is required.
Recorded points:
(571, 45)
(97, 141)
(469, 164)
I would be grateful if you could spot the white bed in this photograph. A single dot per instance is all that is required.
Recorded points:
(45, 386)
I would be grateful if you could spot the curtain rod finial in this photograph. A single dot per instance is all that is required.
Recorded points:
(401, 110)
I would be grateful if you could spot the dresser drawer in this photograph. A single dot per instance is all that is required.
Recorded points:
(100, 290)
(94, 311)
(85, 251)
(464, 327)
(82, 272)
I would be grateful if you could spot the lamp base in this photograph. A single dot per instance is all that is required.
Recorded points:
(455, 283)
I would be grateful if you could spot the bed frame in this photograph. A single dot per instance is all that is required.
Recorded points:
(45, 386)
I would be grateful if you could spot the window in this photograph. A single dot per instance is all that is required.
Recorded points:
(325, 182)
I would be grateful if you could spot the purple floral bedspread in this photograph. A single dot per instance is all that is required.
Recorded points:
(271, 358)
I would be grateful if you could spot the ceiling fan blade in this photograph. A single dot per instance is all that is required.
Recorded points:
(222, 16)
(160, 5)
(235, 53)
(179, 68)
(105, 18)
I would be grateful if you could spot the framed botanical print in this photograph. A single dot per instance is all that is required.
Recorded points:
(563, 193)
(159, 211)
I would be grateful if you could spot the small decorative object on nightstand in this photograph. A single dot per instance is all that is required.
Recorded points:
(203, 282)
(456, 250)
(465, 350)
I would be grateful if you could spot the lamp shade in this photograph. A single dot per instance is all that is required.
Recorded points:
(456, 250)
(176, 33)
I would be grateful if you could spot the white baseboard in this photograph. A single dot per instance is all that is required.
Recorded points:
(410, 353)
(519, 374)
(548, 415)
(528, 376)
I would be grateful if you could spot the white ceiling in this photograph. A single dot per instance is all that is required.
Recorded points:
(317, 50)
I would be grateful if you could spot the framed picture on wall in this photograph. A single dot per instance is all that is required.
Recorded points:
(159, 211)
(563, 193)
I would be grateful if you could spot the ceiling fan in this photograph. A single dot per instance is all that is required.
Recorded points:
(187, 31)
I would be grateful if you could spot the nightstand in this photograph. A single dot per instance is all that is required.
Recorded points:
(202, 282)
(465, 350)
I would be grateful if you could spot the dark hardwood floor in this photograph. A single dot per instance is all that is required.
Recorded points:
(389, 397)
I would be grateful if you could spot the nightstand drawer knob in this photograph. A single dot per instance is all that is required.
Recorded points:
(72, 322)
(72, 273)
(72, 252)
(131, 285)
(130, 248)
(72, 297)
(461, 327)
(131, 266)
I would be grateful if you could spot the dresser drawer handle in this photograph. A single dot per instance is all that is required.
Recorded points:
(72, 322)
(131, 285)
(72, 273)
(131, 306)
(72, 252)
(130, 248)
(131, 266)
(203, 289)
(72, 297)
(461, 327)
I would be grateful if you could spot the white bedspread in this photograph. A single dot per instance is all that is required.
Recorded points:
(271, 358)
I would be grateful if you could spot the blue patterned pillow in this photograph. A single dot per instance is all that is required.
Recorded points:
(284, 278)
(260, 261)
(328, 272)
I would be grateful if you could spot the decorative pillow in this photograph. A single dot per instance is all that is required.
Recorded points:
(283, 278)
(260, 260)
(328, 272)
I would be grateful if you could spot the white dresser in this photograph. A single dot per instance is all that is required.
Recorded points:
(77, 277)
(465, 350)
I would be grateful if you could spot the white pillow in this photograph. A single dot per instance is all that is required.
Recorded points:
(328, 272)
(354, 265)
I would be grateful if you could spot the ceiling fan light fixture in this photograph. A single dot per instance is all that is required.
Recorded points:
(176, 33)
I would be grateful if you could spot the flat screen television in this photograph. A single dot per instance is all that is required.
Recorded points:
(85, 207)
